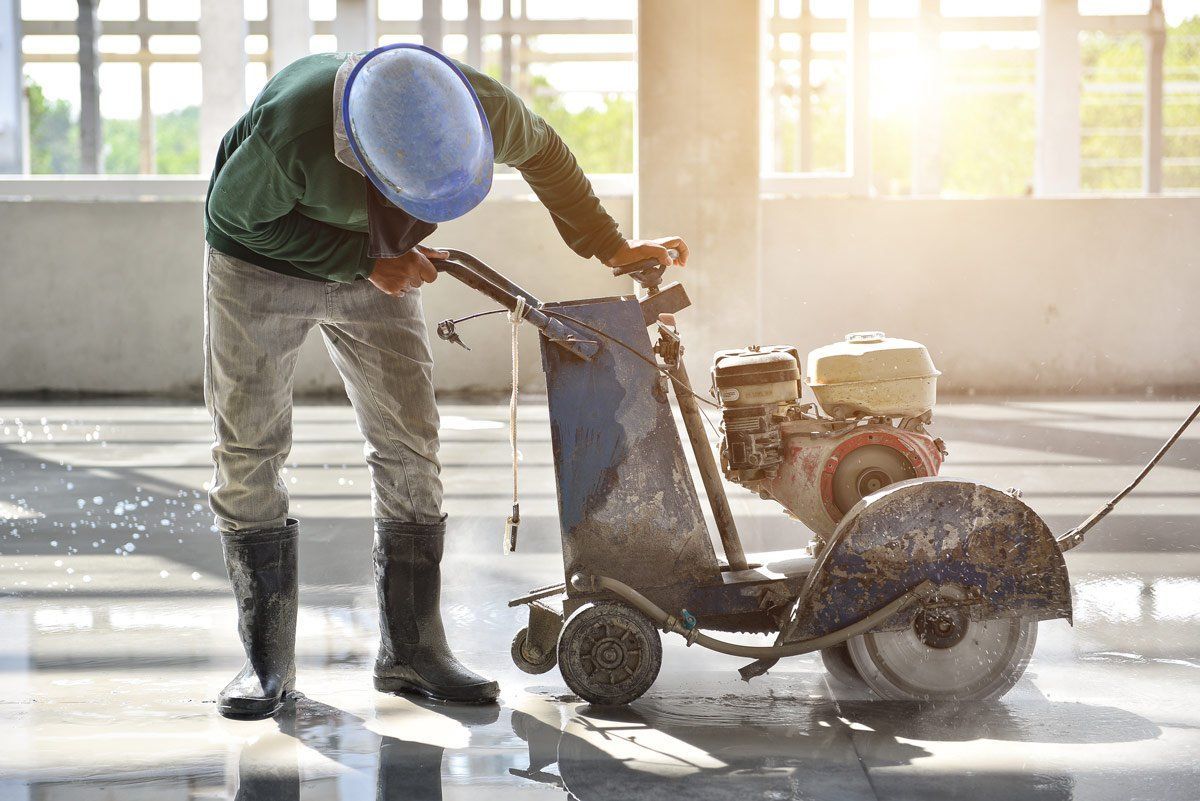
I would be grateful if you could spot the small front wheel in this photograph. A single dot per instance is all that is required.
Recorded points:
(527, 658)
(609, 654)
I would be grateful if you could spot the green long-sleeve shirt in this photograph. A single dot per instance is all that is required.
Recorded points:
(279, 197)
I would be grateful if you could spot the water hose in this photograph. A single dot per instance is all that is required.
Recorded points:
(670, 623)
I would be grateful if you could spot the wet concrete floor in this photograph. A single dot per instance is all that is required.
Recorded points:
(116, 631)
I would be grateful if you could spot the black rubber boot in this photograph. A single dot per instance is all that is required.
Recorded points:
(262, 570)
(413, 654)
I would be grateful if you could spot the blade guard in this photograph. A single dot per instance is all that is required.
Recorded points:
(961, 535)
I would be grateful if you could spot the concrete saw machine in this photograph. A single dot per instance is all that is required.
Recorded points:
(919, 586)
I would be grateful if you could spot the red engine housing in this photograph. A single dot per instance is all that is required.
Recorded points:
(825, 472)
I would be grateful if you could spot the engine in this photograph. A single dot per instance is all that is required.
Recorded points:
(874, 397)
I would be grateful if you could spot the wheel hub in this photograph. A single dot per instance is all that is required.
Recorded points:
(943, 628)
(872, 480)
(610, 652)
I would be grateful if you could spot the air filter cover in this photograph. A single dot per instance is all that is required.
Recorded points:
(871, 374)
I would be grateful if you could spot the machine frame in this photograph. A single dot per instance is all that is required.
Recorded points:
(633, 531)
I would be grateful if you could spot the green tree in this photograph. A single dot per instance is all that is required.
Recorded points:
(176, 144)
(177, 141)
(53, 134)
(600, 137)
(122, 154)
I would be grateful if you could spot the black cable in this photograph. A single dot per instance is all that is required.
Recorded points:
(478, 314)
(1075, 535)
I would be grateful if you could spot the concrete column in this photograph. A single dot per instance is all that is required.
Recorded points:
(432, 27)
(91, 135)
(289, 28)
(12, 89)
(1059, 76)
(1152, 146)
(698, 159)
(927, 127)
(356, 25)
(223, 71)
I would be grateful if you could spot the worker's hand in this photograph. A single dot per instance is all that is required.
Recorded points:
(405, 273)
(635, 250)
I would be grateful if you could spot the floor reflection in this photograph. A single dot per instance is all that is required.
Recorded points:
(804, 749)
(270, 768)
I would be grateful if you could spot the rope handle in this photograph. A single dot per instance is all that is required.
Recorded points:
(514, 520)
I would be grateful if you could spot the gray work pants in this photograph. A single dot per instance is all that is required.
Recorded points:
(254, 323)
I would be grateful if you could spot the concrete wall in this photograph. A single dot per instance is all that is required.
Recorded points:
(106, 296)
(1019, 295)
(1010, 295)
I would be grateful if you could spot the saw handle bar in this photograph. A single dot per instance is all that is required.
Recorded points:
(483, 279)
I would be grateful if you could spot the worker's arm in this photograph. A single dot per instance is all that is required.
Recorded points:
(523, 140)
(253, 202)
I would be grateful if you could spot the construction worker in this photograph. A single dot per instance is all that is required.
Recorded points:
(321, 195)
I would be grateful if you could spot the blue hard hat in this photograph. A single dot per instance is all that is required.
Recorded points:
(419, 131)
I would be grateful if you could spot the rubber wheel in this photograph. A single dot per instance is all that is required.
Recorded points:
(840, 666)
(520, 655)
(609, 654)
(983, 663)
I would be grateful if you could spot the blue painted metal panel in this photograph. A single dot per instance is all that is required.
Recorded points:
(627, 504)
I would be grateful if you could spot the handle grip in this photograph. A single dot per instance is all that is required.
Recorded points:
(647, 272)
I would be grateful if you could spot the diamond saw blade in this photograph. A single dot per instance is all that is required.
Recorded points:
(945, 659)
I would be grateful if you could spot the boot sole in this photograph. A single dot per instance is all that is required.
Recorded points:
(256, 711)
(390, 685)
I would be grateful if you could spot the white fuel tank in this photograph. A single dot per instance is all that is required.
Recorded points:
(870, 374)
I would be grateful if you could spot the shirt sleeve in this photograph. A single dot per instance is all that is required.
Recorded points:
(253, 202)
(525, 141)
